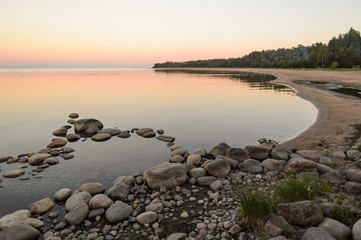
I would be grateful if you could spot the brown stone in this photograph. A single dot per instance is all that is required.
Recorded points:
(57, 143)
(303, 213)
(297, 165)
(42, 206)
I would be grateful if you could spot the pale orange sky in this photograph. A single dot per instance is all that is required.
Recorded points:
(113, 33)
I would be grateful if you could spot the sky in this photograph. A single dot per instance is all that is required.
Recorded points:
(122, 33)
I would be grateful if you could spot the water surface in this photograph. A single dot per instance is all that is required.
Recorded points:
(200, 110)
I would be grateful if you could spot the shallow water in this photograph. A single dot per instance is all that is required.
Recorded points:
(200, 110)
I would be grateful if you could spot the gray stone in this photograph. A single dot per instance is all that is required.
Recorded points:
(281, 152)
(250, 166)
(19, 232)
(110, 131)
(119, 191)
(36, 223)
(176, 159)
(165, 138)
(100, 201)
(143, 131)
(38, 158)
(272, 165)
(220, 149)
(77, 214)
(61, 132)
(301, 213)
(233, 163)
(13, 173)
(14, 218)
(335, 177)
(325, 160)
(168, 175)
(188, 166)
(310, 154)
(52, 160)
(316, 233)
(356, 230)
(323, 168)
(77, 199)
(62, 195)
(218, 168)
(128, 180)
(101, 137)
(216, 185)
(353, 187)
(354, 174)
(206, 181)
(118, 211)
(201, 151)
(336, 229)
(197, 172)
(92, 188)
(67, 156)
(177, 236)
(154, 207)
(353, 155)
(147, 217)
(275, 225)
(149, 135)
(82, 125)
(257, 152)
(96, 212)
(42, 206)
(195, 159)
(297, 165)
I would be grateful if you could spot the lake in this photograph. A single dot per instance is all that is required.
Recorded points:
(198, 109)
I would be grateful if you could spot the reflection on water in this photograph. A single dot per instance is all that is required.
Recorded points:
(200, 110)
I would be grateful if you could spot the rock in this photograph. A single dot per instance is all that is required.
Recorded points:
(316, 233)
(297, 165)
(272, 165)
(177, 236)
(338, 154)
(206, 181)
(57, 143)
(220, 149)
(201, 151)
(73, 115)
(14, 218)
(233, 163)
(36, 223)
(335, 177)
(128, 180)
(165, 174)
(235, 229)
(118, 191)
(325, 160)
(142, 131)
(188, 166)
(147, 217)
(77, 214)
(176, 159)
(62, 195)
(354, 174)
(19, 232)
(281, 152)
(118, 211)
(237, 154)
(92, 188)
(353, 155)
(195, 159)
(216, 185)
(251, 166)
(197, 172)
(13, 173)
(356, 230)
(180, 151)
(303, 213)
(38, 158)
(61, 132)
(72, 137)
(257, 152)
(101, 137)
(124, 134)
(336, 229)
(52, 160)
(77, 199)
(82, 125)
(67, 156)
(100, 201)
(96, 212)
(269, 145)
(276, 224)
(310, 154)
(165, 138)
(323, 168)
(353, 187)
(160, 131)
(111, 131)
(218, 168)
(5, 159)
(71, 121)
(92, 129)
(154, 207)
(42, 206)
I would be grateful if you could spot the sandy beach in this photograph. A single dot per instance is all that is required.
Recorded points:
(339, 115)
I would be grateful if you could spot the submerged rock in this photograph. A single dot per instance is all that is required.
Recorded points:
(13, 173)
(303, 213)
(61, 132)
(82, 125)
(165, 138)
(73, 115)
(38, 158)
(100, 137)
(111, 131)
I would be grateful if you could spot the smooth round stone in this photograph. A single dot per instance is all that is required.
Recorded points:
(53, 215)
(38, 158)
(92, 188)
(111, 131)
(61, 132)
(68, 150)
(67, 156)
(71, 121)
(100, 201)
(36, 223)
(42, 206)
(124, 134)
(160, 131)
(100, 137)
(52, 160)
(147, 217)
(62, 195)
(57, 143)
(72, 137)
(149, 134)
(73, 115)
(13, 173)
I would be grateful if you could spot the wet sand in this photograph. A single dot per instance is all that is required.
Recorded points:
(339, 115)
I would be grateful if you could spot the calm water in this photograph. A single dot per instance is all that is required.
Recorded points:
(200, 110)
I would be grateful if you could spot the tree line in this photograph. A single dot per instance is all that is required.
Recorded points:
(343, 51)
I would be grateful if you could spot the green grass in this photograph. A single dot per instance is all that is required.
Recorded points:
(255, 208)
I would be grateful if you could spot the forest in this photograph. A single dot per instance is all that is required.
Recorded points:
(343, 51)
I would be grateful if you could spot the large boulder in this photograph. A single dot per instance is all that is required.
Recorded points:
(77, 214)
(297, 165)
(303, 213)
(257, 152)
(197, 172)
(82, 125)
(168, 175)
(220, 149)
(14, 218)
(336, 229)
(281, 152)
(118, 211)
(77, 199)
(272, 165)
(335, 177)
(92, 188)
(38, 158)
(218, 168)
(310, 154)
(250, 166)
(237, 154)
(233, 163)
(42, 206)
(356, 230)
(19, 232)
(318, 233)
(354, 174)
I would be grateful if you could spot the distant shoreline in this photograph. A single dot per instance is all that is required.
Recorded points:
(339, 115)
